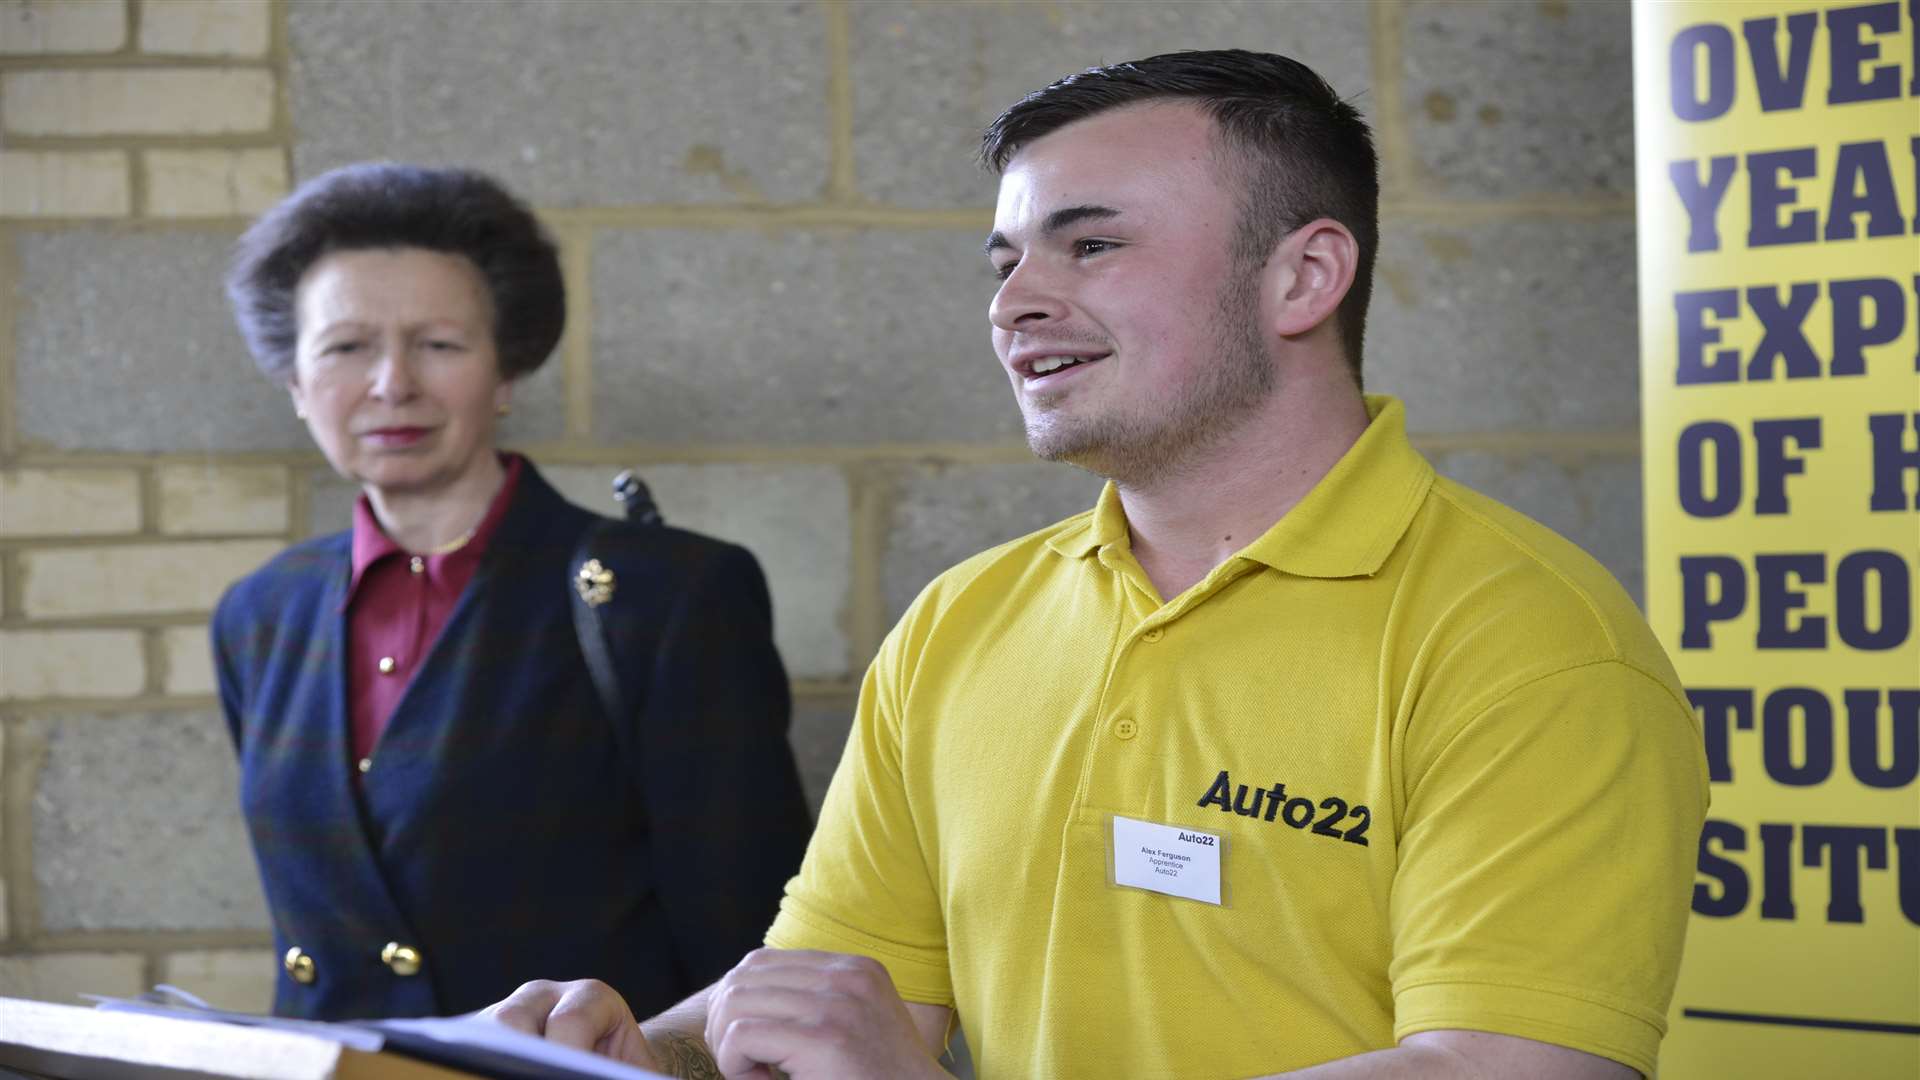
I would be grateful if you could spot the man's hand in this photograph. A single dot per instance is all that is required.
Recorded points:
(586, 1015)
(819, 1015)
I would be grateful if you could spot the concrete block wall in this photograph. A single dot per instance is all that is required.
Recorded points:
(770, 222)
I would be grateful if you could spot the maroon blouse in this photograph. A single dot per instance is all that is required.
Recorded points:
(396, 604)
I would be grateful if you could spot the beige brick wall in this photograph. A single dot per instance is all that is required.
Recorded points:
(188, 661)
(64, 183)
(209, 499)
(239, 979)
(63, 976)
(69, 502)
(205, 27)
(214, 183)
(71, 664)
(137, 102)
(30, 27)
(133, 579)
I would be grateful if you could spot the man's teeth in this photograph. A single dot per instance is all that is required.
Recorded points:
(1047, 364)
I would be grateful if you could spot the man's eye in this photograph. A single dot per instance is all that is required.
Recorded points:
(1093, 247)
(1005, 270)
(444, 346)
(340, 348)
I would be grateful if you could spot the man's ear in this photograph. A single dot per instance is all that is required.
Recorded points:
(1309, 274)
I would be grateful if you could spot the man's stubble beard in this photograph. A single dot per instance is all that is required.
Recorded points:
(1138, 449)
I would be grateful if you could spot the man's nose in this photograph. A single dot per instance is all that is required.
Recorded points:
(1028, 296)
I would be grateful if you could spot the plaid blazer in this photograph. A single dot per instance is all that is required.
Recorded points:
(500, 832)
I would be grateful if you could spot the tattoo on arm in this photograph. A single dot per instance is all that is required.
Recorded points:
(684, 1056)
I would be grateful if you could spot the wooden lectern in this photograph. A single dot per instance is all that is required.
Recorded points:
(63, 1042)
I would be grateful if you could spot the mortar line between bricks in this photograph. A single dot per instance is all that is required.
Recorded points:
(125, 61)
(9, 588)
(1530, 209)
(154, 650)
(570, 453)
(143, 703)
(577, 350)
(148, 486)
(176, 226)
(280, 60)
(18, 771)
(1387, 20)
(138, 184)
(136, 17)
(825, 688)
(770, 215)
(299, 503)
(1599, 443)
(866, 580)
(842, 182)
(140, 941)
(66, 542)
(6, 877)
(10, 295)
(264, 139)
(724, 217)
(15, 620)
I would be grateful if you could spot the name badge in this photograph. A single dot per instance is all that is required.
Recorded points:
(1167, 859)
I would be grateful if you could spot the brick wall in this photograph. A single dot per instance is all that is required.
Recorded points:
(770, 224)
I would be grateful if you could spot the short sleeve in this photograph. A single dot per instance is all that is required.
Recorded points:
(1547, 854)
(864, 886)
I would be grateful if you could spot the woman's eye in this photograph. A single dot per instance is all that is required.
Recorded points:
(340, 348)
(444, 346)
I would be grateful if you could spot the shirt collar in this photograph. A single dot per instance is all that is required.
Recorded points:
(372, 544)
(1345, 527)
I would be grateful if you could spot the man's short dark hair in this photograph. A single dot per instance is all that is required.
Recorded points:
(384, 205)
(1305, 153)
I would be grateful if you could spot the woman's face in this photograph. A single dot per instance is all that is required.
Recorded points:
(395, 367)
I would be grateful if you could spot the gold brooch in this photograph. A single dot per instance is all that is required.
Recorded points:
(594, 583)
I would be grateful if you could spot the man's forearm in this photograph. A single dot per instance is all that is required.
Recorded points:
(678, 1040)
(1466, 1055)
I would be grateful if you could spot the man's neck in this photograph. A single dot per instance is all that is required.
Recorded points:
(1192, 517)
(420, 521)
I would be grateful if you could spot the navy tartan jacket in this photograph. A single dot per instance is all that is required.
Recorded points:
(500, 832)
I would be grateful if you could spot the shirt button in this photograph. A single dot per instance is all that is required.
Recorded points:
(1124, 728)
(386, 665)
(366, 764)
(417, 564)
(1153, 635)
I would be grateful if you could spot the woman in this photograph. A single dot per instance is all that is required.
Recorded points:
(440, 802)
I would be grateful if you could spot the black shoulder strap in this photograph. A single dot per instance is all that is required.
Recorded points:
(592, 587)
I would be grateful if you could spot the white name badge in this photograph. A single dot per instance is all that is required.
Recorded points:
(1167, 859)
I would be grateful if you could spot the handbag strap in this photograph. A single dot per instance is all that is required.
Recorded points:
(598, 547)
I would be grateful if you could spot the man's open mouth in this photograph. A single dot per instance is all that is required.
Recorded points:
(1050, 365)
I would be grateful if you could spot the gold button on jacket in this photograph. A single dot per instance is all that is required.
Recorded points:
(299, 965)
(403, 959)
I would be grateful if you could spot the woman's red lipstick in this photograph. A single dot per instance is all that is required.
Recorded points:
(395, 436)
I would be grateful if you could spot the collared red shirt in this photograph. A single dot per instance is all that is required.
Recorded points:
(397, 602)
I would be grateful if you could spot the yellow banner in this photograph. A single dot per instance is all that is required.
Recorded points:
(1778, 155)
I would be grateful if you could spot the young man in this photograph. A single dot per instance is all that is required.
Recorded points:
(1288, 757)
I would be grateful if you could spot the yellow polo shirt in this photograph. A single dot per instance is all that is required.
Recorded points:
(1492, 789)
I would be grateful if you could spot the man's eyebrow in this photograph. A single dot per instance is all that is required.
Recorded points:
(1059, 219)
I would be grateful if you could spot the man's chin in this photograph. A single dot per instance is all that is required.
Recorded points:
(1079, 453)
